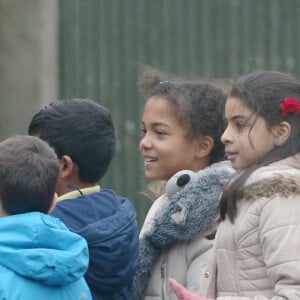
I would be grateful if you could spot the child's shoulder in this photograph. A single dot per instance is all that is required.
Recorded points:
(282, 177)
(286, 168)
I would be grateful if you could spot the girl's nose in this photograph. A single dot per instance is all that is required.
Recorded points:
(145, 142)
(225, 138)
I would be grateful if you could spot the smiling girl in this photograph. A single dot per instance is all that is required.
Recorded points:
(181, 125)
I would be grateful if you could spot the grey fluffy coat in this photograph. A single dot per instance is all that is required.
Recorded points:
(192, 211)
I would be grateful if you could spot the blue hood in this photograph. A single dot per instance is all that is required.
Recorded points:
(40, 247)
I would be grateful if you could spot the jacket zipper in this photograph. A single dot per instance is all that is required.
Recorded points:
(162, 271)
(162, 275)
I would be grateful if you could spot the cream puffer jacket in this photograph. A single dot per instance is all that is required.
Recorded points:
(258, 257)
(184, 261)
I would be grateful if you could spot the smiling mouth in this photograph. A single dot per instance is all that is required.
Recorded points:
(150, 160)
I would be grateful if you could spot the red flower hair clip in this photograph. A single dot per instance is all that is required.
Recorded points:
(289, 105)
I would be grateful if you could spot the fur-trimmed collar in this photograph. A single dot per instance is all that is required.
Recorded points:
(281, 177)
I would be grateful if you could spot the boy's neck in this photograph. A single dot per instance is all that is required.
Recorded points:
(3, 213)
(76, 192)
(66, 185)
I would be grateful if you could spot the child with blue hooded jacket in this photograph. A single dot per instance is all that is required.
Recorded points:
(39, 257)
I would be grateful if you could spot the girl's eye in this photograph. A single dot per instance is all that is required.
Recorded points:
(240, 126)
(143, 131)
(160, 133)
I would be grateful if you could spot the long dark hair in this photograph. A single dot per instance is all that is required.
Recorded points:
(262, 92)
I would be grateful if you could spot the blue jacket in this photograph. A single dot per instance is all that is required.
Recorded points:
(108, 223)
(41, 259)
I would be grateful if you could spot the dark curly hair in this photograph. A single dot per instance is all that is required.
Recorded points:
(196, 104)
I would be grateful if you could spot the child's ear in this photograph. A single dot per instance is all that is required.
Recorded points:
(66, 166)
(281, 133)
(204, 146)
(53, 203)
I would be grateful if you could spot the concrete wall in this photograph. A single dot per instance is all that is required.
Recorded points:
(28, 61)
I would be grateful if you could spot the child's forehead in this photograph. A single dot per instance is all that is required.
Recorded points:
(159, 113)
(236, 107)
(160, 104)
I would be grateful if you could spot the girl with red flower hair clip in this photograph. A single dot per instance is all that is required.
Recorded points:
(256, 254)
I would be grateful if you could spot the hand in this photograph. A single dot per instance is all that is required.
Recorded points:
(182, 293)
